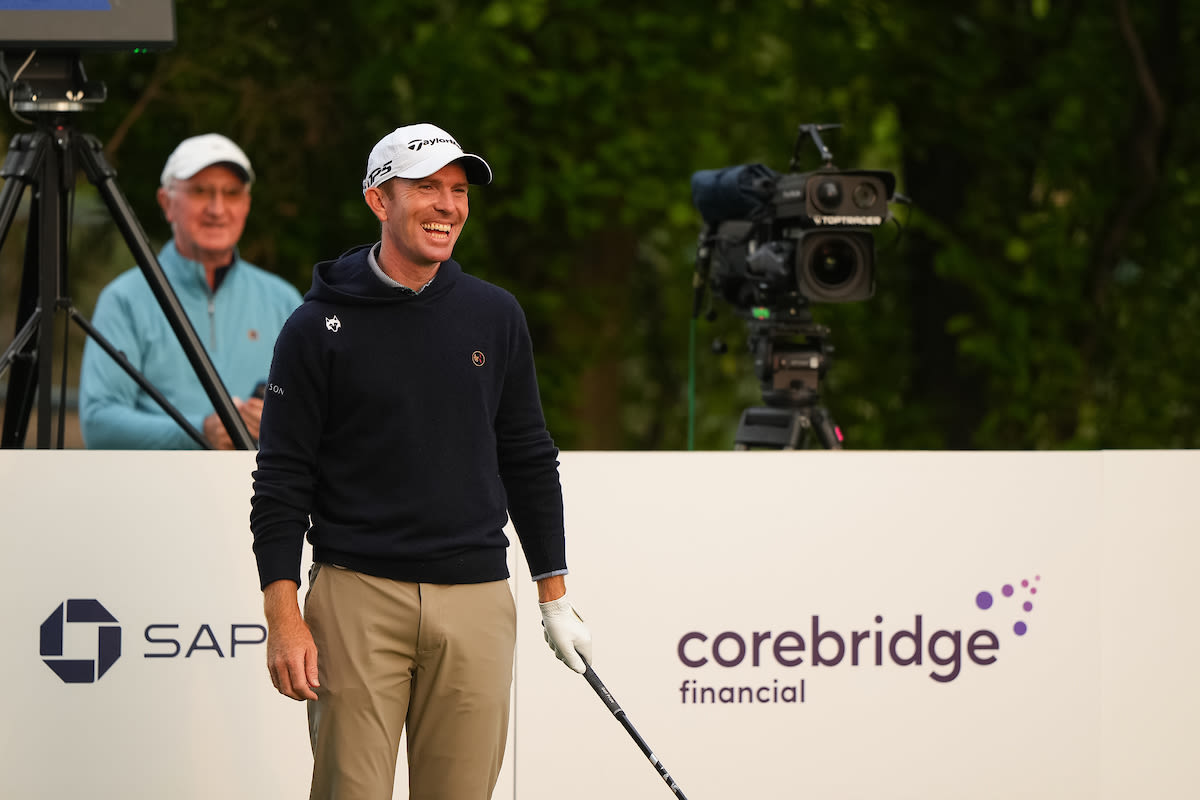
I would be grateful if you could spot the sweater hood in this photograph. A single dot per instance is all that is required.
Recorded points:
(349, 279)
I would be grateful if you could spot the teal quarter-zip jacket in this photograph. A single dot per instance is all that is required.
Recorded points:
(237, 324)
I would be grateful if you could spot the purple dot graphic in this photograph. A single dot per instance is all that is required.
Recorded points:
(1033, 590)
(1028, 606)
(1019, 629)
(1024, 583)
(1007, 591)
(1037, 577)
(984, 600)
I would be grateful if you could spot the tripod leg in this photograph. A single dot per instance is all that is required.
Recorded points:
(24, 160)
(21, 356)
(827, 430)
(53, 191)
(798, 433)
(139, 378)
(45, 246)
(102, 176)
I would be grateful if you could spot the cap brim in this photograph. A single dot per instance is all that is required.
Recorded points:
(478, 171)
(247, 175)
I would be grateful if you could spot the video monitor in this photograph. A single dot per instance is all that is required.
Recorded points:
(80, 25)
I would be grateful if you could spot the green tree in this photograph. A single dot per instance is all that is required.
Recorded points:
(1036, 294)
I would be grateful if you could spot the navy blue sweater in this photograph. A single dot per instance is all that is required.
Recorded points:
(408, 427)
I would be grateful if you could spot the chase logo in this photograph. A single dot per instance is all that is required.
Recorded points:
(108, 641)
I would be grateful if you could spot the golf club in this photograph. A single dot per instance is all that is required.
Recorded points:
(617, 712)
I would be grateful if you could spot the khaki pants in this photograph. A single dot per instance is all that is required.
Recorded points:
(437, 659)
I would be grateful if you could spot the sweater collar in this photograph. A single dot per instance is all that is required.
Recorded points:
(184, 271)
(388, 280)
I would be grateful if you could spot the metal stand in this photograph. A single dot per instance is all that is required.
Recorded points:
(789, 358)
(46, 160)
(786, 429)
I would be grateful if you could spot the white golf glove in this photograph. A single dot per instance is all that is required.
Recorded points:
(566, 634)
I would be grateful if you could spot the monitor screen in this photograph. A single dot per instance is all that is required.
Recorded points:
(87, 24)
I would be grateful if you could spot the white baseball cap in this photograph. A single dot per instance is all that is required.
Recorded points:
(418, 151)
(197, 152)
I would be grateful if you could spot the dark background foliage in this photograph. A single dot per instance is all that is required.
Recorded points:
(1041, 295)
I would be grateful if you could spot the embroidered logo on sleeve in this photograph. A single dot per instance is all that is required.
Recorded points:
(333, 323)
(478, 359)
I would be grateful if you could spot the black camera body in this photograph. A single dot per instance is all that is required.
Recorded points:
(41, 44)
(774, 239)
(131, 25)
(772, 243)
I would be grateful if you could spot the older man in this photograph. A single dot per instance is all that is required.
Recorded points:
(236, 308)
(403, 426)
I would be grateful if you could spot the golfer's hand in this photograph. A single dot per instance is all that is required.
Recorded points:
(566, 634)
(291, 651)
(292, 660)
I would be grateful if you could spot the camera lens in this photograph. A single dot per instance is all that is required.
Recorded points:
(829, 195)
(833, 263)
(836, 267)
(865, 195)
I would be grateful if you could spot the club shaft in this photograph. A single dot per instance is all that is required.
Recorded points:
(598, 685)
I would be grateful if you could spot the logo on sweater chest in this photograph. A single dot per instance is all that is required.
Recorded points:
(333, 323)
(478, 358)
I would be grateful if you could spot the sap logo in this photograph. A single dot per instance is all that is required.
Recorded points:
(108, 641)
(162, 635)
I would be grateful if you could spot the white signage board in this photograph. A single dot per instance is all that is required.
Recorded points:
(851, 625)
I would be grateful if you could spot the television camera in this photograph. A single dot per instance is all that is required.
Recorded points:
(772, 243)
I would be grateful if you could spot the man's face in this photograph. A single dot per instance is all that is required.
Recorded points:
(207, 213)
(424, 216)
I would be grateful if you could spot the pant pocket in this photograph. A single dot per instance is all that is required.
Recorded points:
(313, 571)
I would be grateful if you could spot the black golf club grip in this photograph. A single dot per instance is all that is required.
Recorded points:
(610, 701)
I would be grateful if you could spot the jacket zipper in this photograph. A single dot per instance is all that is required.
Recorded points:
(212, 324)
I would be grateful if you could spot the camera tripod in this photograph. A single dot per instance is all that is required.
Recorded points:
(46, 160)
(790, 357)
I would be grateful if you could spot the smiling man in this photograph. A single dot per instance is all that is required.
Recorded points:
(402, 427)
(236, 309)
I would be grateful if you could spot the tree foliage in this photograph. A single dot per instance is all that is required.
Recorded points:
(1036, 293)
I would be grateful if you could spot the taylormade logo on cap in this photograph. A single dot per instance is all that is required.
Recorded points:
(417, 144)
(418, 151)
